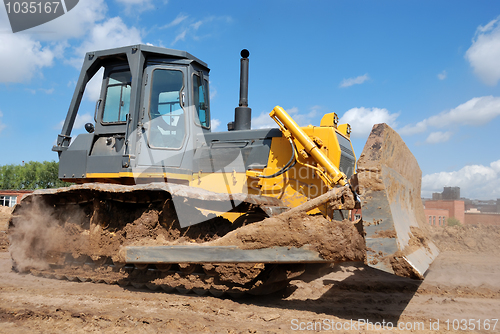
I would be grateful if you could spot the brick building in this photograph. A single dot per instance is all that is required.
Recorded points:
(437, 217)
(483, 205)
(12, 197)
(437, 212)
(482, 218)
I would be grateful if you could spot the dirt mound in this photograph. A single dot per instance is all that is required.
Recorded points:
(5, 213)
(4, 241)
(337, 241)
(5, 209)
(468, 238)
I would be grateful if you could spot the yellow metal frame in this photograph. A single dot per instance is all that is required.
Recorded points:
(290, 129)
(317, 153)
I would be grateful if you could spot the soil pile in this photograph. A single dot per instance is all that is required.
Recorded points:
(5, 213)
(468, 238)
(387, 165)
(337, 241)
(4, 217)
(384, 147)
(4, 241)
(5, 209)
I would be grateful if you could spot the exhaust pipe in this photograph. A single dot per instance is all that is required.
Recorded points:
(242, 114)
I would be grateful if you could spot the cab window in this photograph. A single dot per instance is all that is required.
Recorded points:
(201, 101)
(166, 114)
(117, 102)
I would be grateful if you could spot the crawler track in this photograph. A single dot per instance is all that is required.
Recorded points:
(75, 233)
(198, 279)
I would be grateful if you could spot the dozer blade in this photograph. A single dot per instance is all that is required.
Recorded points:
(218, 254)
(290, 237)
(389, 180)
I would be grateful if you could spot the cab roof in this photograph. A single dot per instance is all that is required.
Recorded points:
(148, 50)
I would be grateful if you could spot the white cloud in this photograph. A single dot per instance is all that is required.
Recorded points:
(181, 36)
(442, 75)
(180, 18)
(215, 123)
(21, 57)
(409, 130)
(93, 88)
(188, 27)
(80, 121)
(475, 181)
(362, 119)
(438, 137)
(496, 166)
(136, 5)
(302, 119)
(73, 24)
(484, 53)
(134, 2)
(47, 91)
(354, 81)
(264, 121)
(24, 55)
(213, 91)
(477, 111)
(43, 90)
(109, 34)
(197, 25)
(2, 126)
(38, 46)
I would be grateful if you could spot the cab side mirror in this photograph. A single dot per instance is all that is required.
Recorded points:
(89, 127)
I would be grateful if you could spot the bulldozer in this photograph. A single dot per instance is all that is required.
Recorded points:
(158, 200)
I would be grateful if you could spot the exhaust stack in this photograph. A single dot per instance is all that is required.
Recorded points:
(242, 114)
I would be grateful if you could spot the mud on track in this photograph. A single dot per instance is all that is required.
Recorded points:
(462, 284)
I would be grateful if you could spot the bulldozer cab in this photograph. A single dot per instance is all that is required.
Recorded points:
(152, 102)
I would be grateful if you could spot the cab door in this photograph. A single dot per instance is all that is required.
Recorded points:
(112, 110)
(164, 130)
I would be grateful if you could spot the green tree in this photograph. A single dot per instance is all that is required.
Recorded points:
(452, 221)
(30, 176)
(9, 177)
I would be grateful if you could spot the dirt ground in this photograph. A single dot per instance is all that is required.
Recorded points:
(460, 293)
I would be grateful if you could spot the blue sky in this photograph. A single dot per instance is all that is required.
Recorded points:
(430, 69)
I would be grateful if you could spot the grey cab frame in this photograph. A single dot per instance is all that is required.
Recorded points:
(112, 148)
